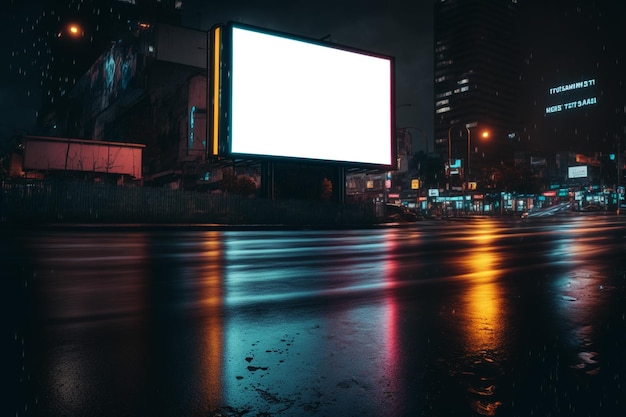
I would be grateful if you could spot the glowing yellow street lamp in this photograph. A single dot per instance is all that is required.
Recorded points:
(73, 30)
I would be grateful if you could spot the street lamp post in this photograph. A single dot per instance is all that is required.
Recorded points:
(618, 175)
(406, 129)
(484, 135)
(469, 141)
(450, 157)
(466, 170)
(450, 142)
(420, 177)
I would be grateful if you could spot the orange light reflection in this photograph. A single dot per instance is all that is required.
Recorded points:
(483, 316)
(212, 300)
(483, 298)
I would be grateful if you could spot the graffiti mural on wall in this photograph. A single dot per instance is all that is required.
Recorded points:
(113, 73)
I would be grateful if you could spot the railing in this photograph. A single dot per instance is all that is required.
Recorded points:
(28, 201)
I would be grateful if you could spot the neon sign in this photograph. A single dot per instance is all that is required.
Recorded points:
(573, 86)
(572, 104)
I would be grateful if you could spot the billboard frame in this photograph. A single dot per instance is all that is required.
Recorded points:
(220, 67)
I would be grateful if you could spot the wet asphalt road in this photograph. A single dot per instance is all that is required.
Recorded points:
(440, 318)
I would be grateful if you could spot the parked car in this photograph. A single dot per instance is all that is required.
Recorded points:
(592, 207)
(397, 213)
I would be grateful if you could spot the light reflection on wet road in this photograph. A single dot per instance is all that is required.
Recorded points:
(478, 317)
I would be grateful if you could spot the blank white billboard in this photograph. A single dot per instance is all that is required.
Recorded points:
(299, 99)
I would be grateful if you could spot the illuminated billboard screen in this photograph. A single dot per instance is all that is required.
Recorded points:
(577, 172)
(298, 98)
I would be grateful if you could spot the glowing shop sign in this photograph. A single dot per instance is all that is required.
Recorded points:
(577, 171)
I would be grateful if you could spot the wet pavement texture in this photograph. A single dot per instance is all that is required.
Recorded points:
(438, 318)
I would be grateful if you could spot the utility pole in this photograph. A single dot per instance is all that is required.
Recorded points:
(617, 197)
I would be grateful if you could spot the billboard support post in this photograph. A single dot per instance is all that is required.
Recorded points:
(619, 173)
(267, 179)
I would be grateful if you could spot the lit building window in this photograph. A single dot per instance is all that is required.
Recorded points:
(443, 110)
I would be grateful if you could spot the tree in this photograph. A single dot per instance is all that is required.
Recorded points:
(243, 185)
(429, 168)
(326, 188)
(512, 178)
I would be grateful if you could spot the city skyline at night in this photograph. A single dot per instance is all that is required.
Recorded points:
(395, 29)
(542, 78)
(572, 80)
(475, 85)
(511, 69)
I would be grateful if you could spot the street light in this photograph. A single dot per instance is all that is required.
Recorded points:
(619, 174)
(405, 130)
(466, 174)
(420, 130)
(484, 135)
(450, 143)
(72, 30)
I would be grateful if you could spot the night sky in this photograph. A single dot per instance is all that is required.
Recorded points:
(398, 28)
(19, 81)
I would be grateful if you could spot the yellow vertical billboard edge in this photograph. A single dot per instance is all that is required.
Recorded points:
(216, 90)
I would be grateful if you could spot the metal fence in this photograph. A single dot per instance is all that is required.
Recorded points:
(27, 201)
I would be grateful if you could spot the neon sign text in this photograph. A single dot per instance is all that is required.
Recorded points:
(571, 105)
(573, 86)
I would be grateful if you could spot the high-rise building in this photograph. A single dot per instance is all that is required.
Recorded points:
(476, 80)
(543, 76)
